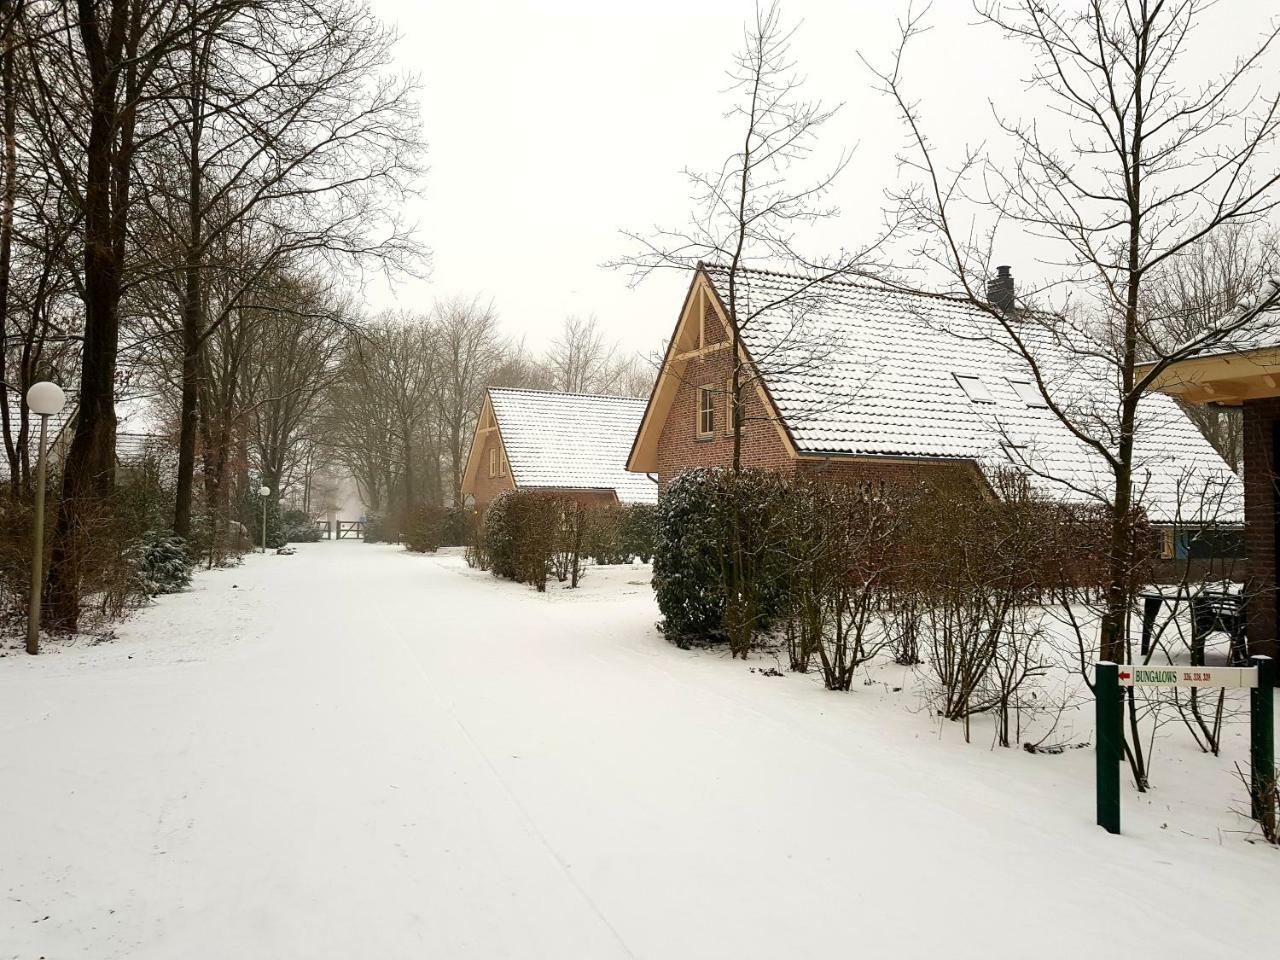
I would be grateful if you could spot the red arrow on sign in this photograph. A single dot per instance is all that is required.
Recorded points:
(1125, 676)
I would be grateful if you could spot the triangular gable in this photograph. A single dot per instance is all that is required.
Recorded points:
(688, 342)
(486, 423)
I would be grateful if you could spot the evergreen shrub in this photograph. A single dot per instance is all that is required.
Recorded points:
(162, 564)
(698, 565)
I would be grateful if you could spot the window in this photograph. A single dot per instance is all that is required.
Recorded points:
(706, 411)
(1028, 393)
(974, 388)
(502, 463)
(493, 461)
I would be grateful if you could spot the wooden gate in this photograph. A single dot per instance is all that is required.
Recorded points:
(350, 529)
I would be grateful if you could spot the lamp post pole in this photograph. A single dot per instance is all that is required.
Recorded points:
(44, 399)
(264, 492)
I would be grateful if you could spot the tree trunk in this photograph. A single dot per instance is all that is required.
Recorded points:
(192, 307)
(88, 476)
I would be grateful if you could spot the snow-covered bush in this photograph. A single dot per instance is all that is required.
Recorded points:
(458, 527)
(378, 529)
(639, 530)
(686, 559)
(844, 546)
(425, 530)
(604, 539)
(718, 563)
(298, 527)
(619, 533)
(162, 564)
(498, 536)
(532, 535)
(536, 519)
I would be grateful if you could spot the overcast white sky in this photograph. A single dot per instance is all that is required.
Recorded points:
(552, 125)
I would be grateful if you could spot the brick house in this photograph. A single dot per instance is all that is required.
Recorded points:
(568, 442)
(878, 386)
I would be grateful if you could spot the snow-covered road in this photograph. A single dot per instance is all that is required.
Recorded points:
(357, 752)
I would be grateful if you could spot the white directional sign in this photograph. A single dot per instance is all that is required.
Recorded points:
(1177, 675)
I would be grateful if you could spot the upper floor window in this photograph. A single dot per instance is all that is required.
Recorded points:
(493, 461)
(706, 411)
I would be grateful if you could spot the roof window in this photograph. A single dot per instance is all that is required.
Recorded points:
(1028, 393)
(974, 388)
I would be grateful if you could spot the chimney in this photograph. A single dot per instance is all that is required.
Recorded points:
(1000, 290)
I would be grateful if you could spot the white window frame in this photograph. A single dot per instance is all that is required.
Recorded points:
(493, 462)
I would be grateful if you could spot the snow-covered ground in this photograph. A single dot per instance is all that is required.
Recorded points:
(360, 752)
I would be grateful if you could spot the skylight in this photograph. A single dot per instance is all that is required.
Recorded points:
(974, 388)
(1028, 393)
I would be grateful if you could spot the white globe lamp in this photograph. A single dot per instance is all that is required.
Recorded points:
(264, 491)
(43, 399)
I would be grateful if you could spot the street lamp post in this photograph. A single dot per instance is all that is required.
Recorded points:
(43, 399)
(264, 492)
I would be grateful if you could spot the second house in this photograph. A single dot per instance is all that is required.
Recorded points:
(567, 442)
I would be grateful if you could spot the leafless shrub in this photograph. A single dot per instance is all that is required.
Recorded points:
(845, 548)
(986, 565)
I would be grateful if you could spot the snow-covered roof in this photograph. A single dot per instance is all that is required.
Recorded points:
(571, 441)
(872, 371)
(131, 447)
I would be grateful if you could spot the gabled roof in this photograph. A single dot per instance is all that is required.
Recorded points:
(570, 441)
(870, 371)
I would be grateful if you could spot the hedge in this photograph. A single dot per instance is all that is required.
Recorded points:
(531, 536)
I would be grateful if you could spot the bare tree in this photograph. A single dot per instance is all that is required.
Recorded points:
(1192, 294)
(292, 365)
(284, 117)
(634, 375)
(1147, 167)
(40, 329)
(471, 354)
(747, 210)
(580, 360)
(380, 415)
(95, 76)
(1150, 169)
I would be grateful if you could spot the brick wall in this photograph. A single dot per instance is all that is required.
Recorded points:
(486, 487)
(1260, 417)
(680, 447)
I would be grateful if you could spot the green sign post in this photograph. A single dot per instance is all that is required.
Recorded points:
(1109, 748)
(1262, 746)
(1110, 743)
